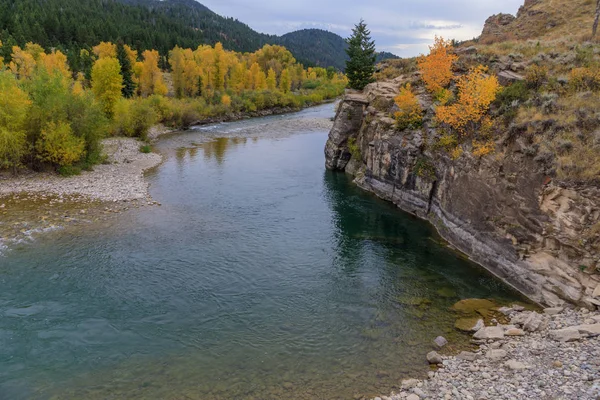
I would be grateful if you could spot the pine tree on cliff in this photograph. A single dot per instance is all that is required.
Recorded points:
(361, 50)
(126, 72)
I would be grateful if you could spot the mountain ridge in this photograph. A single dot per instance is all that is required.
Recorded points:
(70, 25)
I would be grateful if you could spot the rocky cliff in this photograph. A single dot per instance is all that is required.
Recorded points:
(506, 211)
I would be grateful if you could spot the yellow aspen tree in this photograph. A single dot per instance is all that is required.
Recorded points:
(219, 67)
(285, 83)
(151, 77)
(1, 58)
(237, 77)
(77, 88)
(55, 63)
(436, 68)
(476, 91)
(14, 104)
(271, 79)
(137, 74)
(132, 54)
(191, 74)
(261, 81)
(23, 63)
(177, 62)
(105, 49)
(107, 82)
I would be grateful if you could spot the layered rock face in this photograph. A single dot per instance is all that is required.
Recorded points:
(505, 211)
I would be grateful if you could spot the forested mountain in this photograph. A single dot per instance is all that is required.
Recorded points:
(71, 25)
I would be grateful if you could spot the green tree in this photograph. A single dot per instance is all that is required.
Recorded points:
(126, 71)
(361, 50)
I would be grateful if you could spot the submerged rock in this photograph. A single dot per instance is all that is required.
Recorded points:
(471, 306)
(469, 324)
(440, 341)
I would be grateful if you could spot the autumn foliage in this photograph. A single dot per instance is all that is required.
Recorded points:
(54, 113)
(410, 113)
(476, 91)
(436, 68)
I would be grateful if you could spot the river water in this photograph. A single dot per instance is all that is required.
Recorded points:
(261, 276)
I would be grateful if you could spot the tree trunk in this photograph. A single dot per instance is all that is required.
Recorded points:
(595, 28)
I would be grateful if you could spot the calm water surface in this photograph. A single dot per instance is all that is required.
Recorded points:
(262, 276)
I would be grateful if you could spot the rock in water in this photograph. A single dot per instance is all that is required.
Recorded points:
(469, 324)
(434, 358)
(440, 341)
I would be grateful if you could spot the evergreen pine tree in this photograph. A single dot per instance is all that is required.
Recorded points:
(361, 50)
(126, 72)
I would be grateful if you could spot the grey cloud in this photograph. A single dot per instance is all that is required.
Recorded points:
(401, 26)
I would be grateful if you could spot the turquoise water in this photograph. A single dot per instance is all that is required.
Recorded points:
(262, 276)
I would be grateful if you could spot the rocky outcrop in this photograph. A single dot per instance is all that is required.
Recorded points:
(505, 211)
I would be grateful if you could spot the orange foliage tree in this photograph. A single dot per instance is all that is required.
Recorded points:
(476, 91)
(436, 68)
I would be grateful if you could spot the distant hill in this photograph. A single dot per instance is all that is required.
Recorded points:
(71, 25)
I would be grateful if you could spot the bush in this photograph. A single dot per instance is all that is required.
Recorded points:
(536, 76)
(57, 144)
(584, 78)
(410, 114)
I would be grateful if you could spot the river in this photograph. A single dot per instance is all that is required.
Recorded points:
(261, 276)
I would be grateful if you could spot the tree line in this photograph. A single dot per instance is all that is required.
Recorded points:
(52, 116)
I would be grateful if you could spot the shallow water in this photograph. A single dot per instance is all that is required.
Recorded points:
(261, 276)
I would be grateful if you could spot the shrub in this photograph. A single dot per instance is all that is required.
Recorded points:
(536, 76)
(410, 114)
(581, 79)
(483, 148)
(145, 149)
(354, 149)
(58, 145)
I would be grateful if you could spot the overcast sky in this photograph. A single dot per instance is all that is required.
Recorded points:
(403, 27)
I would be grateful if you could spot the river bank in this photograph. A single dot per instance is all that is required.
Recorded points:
(553, 355)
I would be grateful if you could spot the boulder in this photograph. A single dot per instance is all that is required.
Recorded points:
(505, 310)
(588, 330)
(434, 358)
(490, 332)
(596, 291)
(565, 335)
(508, 77)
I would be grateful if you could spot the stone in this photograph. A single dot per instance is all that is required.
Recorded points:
(553, 311)
(469, 324)
(434, 358)
(440, 341)
(588, 330)
(515, 332)
(505, 310)
(409, 383)
(517, 307)
(515, 365)
(467, 356)
(508, 77)
(413, 396)
(596, 291)
(565, 335)
(535, 322)
(490, 332)
(496, 355)
(557, 364)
